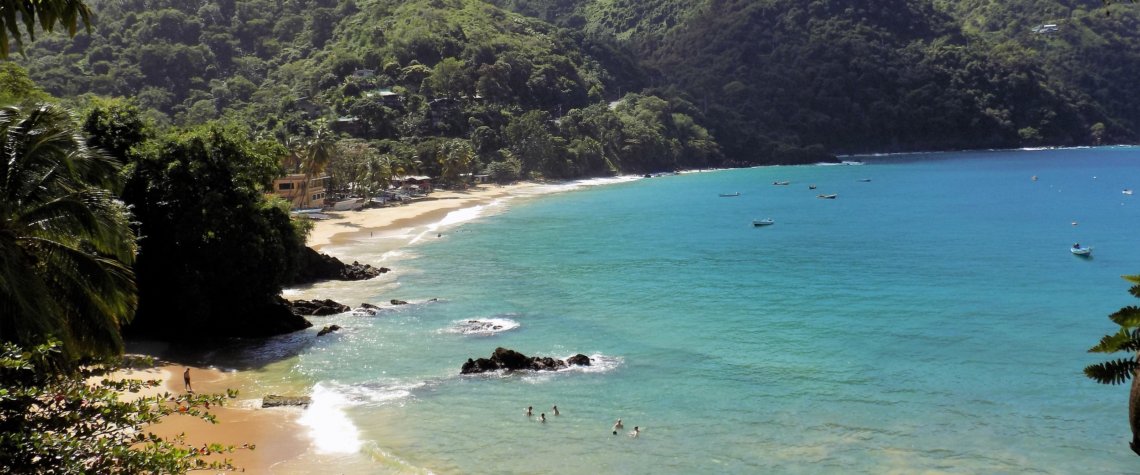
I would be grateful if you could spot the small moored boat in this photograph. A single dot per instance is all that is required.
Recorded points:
(828, 197)
(763, 222)
(781, 183)
(1077, 250)
(727, 195)
(811, 187)
(865, 180)
(1127, 191)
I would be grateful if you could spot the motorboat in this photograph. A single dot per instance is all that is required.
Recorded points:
(828, 197)
(1127, 191)
(781, 183)
(763, 222)
(727, 195)
(1077, 250)
(811, 187)
(865, 180)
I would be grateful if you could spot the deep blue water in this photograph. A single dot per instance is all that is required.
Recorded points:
(931, 319)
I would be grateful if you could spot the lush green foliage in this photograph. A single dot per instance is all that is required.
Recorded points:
(65, 242)
(1127, 339)
(384, 71)
(777, 76)
(62, 421)
(47, 13)
(211, 247)
(768, 80)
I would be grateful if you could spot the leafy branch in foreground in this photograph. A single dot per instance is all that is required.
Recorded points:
(1117, 371)
(48, 13)
(84, 421)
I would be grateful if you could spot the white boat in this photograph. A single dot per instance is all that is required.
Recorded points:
(727, 195)
(828, 197)
(1127, 191)
(763, 222)
(1077, 250)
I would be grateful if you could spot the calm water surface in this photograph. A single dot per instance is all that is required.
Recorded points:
(931, 319)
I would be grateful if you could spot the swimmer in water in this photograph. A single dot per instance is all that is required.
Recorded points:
(542, 417)
(556, 410)
(636, 432)
(618, 426)
(529, 411)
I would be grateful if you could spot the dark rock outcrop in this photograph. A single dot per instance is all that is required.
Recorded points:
(578, 360)
(512, 360)
(398, 302)
(318, 308)
(274, 400)
(329, 329)
(314, 266)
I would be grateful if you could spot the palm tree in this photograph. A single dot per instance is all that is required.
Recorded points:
(1121, 370)
(48, 13)
(66, 244)
(316, 153)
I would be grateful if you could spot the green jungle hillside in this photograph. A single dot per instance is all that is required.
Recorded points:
(567, 88)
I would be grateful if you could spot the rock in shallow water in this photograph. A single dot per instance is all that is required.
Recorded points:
(512, 360)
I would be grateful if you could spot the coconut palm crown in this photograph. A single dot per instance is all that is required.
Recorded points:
(66, 245)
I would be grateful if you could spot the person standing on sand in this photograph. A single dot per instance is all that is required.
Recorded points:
(186, 380)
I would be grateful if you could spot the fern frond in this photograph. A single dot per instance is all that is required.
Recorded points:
(1112, 372)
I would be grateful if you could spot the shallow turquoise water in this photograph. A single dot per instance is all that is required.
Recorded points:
(931, 319)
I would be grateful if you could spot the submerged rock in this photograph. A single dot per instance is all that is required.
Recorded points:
(512, 360)
(274, 400)
(329, 329)
(398, 302)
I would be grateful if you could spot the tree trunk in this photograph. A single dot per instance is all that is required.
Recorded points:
(1134, 411)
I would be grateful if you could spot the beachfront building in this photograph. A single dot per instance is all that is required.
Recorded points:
(292, 188)
(413, 183)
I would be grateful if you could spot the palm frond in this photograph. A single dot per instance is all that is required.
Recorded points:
(1127, 317)
(1112, 372)
(1119, 341)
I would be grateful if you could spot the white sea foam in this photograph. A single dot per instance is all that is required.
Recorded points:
(481, 326)
(328, 423)
(575, 185)
(457, 217)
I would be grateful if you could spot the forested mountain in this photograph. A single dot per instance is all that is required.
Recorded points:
(882, 75)
(526, 85)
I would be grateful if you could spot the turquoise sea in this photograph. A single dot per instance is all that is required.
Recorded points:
(929, 320)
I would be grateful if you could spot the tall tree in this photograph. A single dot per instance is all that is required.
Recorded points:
(318, 150)
(66, 245)
(48, 13)
(1127, 339)
(213, 253)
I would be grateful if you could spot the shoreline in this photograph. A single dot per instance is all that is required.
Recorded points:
(274, 433)
(350, 226)
(284, 442)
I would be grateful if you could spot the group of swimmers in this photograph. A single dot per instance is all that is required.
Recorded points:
(542, 416)
(617, 425)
